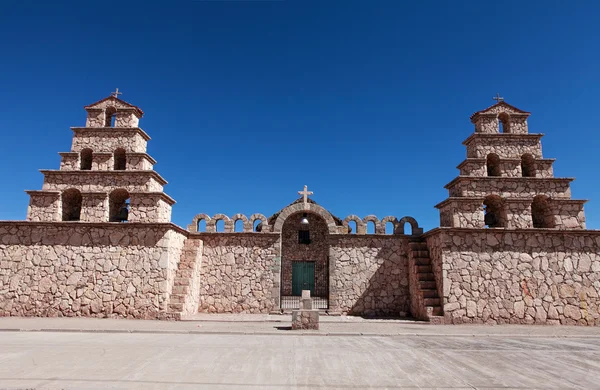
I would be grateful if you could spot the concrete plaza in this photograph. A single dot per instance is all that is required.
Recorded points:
(223, 352)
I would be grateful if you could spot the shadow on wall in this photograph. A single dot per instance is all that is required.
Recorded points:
(385, 293)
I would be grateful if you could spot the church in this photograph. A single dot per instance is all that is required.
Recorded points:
(511, 246)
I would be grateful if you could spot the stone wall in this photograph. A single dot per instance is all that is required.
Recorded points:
(317, 251)
(369, 275)
(98, 181)
(240, 272)
(80, 269)
(509, 187)
(108, 140)
(495, 276)
(43, 206)
(477, 167)
(504, 145)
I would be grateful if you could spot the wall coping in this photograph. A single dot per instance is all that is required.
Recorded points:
(152, 173)
(166, 225)
(508, 179)
(576, 232)
(111, 130)
(500, 159)
(480, 199)
(473, 136)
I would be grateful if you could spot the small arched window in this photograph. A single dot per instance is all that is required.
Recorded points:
(541, 213)
(352, 227)
(257, 225)
(493, 164)
(110, 117)
(118, 205)
(370, 227)
(528, 165)
(71, 205)
(120, 159)
(201, 227)
(494, 212)
(504, 123)
(238, 225)
(219, 226)
(85, 159)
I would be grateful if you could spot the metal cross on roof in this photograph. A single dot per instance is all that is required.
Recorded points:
(305, 193)
(497, 98)
(116, 93)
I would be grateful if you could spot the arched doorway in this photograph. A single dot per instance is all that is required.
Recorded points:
(304, 260)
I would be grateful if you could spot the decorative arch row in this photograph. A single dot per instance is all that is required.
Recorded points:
(221, 223)
(495, 214)
(379, 226)
(119, 159)
(118, 205)
(528, 166)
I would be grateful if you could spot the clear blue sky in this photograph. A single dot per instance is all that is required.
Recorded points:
(246, 101)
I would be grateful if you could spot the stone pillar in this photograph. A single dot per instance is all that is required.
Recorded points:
(306, 317)
(94, 207)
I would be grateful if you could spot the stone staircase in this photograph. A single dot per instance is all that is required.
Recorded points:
(426, 303)
(185, 296)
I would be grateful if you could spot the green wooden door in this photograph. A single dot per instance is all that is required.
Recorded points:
(303, 277)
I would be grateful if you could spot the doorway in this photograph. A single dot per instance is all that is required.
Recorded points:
(303, 277)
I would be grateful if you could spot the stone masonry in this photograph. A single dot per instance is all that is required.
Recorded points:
(512, 246)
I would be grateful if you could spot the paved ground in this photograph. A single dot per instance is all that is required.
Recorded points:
(373, 355)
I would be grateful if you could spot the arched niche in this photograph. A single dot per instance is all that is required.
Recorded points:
(299, 207)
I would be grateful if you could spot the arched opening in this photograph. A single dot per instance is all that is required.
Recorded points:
(71, 205)
(110, 117)
(304, 259)
(85, 159)
(541, 213)
(370, 227)
(493, 164)
(118, 205)
(504, 123)
(408, 231)
(389, 228)
(220, 226)
(257, 225)
(528, 165)
(201, 225)
(352, 227)
(238, 226)
(494, 212)
(120, 159)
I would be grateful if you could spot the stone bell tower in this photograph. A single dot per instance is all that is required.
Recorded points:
(505, 182)
(107, 176)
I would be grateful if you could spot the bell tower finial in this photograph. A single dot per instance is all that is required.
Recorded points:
(116, 93)
(497, 98)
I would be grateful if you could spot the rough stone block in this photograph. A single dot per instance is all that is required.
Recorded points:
(305, 319)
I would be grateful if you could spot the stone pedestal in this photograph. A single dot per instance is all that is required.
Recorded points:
(306, 317)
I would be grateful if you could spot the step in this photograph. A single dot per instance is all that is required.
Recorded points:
(431, 301)
(181, 281)
(185, 265)
(175, 307)
(177, 298)
(422, 261)
(179, 289)
(184, 273)
(423, 268)
(420, 253)
(437, 311)
(425, 276)
(418, 246)
(430, 293)
(427, 284)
